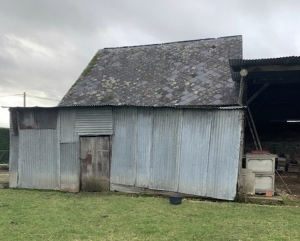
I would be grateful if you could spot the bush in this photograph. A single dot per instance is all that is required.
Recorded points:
(4, 144)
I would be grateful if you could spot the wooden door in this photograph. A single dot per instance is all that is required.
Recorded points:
(95, 163)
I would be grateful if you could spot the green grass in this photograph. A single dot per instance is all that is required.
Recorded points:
(50, 215)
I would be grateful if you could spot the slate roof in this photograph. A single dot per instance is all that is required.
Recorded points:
(177, 74)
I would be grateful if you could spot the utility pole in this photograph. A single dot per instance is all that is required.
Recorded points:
(24, 99)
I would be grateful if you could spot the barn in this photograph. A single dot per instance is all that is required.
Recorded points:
(163, 118)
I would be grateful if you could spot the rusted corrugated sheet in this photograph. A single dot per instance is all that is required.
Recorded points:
(189, 151)
(67, 126)
(38, 159)
(69, 167)
(94, 121)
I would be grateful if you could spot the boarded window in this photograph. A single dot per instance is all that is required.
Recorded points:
(37, 119)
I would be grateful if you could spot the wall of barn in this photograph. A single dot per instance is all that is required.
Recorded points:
(45, 145)
(190, 151)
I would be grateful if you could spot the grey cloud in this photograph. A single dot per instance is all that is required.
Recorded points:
(45, 45)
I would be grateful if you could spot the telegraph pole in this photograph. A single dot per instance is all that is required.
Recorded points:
(24, 99)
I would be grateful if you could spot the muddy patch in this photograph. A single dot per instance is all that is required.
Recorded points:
(291, 188)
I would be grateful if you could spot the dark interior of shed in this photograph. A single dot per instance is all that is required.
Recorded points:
(276, 114)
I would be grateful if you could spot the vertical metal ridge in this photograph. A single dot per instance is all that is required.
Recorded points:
(38, 167)
(69, 167)
(206, 144)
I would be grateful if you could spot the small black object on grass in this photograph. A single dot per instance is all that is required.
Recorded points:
(175, 200)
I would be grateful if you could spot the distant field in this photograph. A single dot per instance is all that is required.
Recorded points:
(50, 215)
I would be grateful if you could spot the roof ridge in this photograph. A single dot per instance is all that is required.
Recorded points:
(182, 41)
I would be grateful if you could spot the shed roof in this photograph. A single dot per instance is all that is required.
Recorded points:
(274, 70)
(177, 74)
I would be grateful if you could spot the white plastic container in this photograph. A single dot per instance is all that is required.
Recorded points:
(261, 162)
(264, 182)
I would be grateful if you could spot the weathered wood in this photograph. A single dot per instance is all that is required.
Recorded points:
(254, 128)
(252, 133)
(95, 163)
(241, 93)
(142, 190)
(253, 97)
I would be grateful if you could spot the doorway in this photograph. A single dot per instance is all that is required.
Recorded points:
(95, 163)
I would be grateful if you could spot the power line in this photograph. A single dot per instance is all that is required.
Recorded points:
(32, 96)
(10, 95)
(40, 97)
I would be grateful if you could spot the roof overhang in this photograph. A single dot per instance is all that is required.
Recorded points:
(261, 71)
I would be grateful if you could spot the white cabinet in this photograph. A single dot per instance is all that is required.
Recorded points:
(263, 166)
(264, 182)
(261, 163)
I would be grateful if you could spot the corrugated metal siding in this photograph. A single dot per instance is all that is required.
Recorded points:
(14, 153)
(38, 159)
(189, 151)
(224, 154)
(94, 121)
(13, 160)
(67, 123)
(196, 129)
(143, 142)
(69, 167)
(164, 163)
(123, 165)
(37, 118)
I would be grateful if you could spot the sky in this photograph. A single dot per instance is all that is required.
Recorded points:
(45, 45)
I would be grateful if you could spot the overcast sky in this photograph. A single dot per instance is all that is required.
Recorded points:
(45, 45)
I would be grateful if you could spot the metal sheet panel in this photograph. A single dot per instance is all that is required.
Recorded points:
(38, 159)
(13, 160)
(224, 149)
(67, 123)
(164, 161)
(123, 164)
(38, 118)
(190, 151)
(143, 145)
(69, 167)
(94, 121)
(194, 158)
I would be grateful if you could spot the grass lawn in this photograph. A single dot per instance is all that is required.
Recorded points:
(50, 215)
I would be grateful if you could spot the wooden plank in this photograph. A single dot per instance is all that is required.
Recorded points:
(103, 163)
(253, 97)
(95, 163)
(252, 133)
(141, 190)
(254, 128)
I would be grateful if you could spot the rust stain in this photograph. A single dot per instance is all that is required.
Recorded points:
(89, 158)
